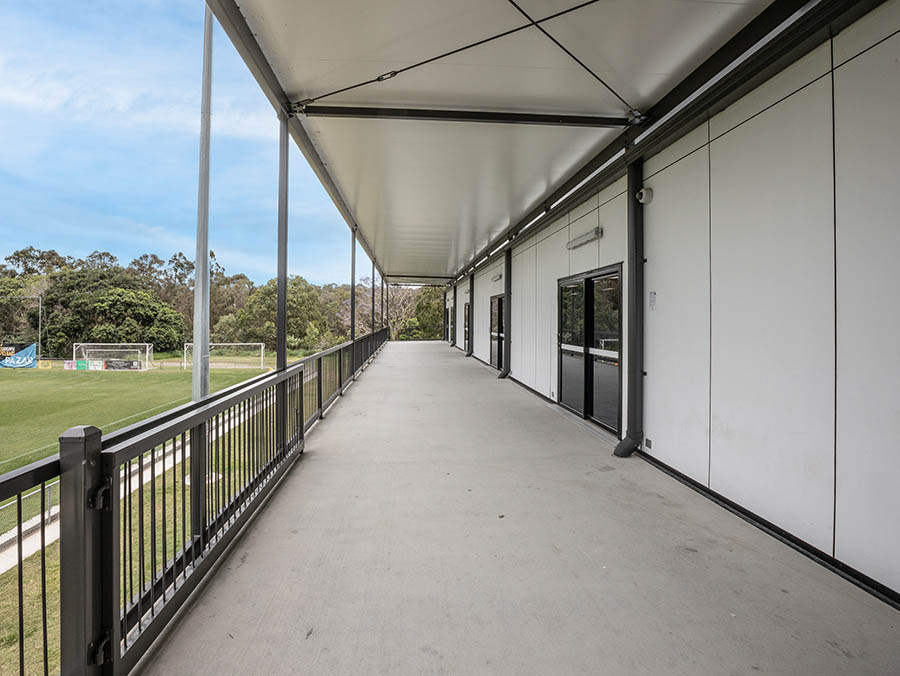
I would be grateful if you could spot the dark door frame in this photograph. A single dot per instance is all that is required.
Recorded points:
(467, 327)
(586, 278)
(500, 351)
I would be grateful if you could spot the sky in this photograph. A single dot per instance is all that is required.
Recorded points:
(99, 142)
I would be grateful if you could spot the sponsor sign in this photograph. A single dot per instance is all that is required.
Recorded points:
(45, 364)
(70, 365)
(122, 365)
(9, 349)
(81, 364)
(23, 359)
(95, 364)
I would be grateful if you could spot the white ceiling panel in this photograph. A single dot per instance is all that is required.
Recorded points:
(431, 193)
(643, 48)
(317, 47)
(428, 195)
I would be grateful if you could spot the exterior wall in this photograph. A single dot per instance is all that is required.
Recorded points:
(867, 154)
(484, 289)
(462, 297)
(771, 241)
(770, 348)
(539, 263)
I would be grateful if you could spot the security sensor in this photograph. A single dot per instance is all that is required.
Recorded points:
(644, 195)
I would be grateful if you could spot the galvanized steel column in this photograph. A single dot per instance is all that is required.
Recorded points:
(455, 317)
(507, 311)
(470, 347)
(200, 357)
(281, 312)
(353, 289)
(634, 352)
(373, 295)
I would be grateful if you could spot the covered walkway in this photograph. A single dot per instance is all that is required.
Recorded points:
(443, 521)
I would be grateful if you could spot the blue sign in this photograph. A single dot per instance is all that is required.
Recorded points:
(23, 359)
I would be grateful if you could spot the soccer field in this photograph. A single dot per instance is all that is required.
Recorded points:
(37, 406)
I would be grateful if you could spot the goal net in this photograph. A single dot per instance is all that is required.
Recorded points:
(111, 357)
(230, 355)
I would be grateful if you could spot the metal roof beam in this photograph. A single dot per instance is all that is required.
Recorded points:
(490, 117)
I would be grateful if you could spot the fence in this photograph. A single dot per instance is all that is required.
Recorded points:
(146, 511)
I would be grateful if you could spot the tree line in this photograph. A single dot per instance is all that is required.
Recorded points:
(151, 300)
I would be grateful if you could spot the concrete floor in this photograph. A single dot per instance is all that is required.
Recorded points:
(445, 522)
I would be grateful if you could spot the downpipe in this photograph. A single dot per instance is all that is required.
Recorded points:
(634, 434)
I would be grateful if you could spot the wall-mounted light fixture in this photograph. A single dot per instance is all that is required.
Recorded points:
(581, 240)
(497, 277)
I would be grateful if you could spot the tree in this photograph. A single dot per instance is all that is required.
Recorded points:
(98, 260)
(32, 261)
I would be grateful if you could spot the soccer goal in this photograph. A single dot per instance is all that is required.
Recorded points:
(112, 356)
(230, 355)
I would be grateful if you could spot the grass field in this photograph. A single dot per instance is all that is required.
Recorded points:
(37, 406)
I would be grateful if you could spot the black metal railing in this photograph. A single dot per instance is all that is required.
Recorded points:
(144, 512)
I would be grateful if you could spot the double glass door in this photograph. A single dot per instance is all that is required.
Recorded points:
(590, 340)
(497, 332)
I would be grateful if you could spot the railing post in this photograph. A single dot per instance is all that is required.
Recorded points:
(319, 387)
(341, 372)
(84, 640)
(198, 489)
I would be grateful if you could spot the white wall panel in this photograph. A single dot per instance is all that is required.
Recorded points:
(462, 297)
(587, 256)
(867, 146)
(552, 263)
(877, 25)
(676, 325)
(813, 65)
(523, 315)
(681, 148)
(772, 421)
(484, 289)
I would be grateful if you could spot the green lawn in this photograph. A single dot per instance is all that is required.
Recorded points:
(37, 406)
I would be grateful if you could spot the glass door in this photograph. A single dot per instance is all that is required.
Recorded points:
(497, 332)
(590, 381)
(572, 346)
(604, 350)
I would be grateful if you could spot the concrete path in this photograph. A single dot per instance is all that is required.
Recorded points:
(446, 522)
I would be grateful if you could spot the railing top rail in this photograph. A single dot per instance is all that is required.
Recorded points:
(29, 476)
(116, 451)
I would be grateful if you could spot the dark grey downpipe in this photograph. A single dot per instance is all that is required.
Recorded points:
(507, 311)
(471, 345)
(455, 318)
(634, 434)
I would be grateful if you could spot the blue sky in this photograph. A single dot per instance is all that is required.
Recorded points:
(99, 142)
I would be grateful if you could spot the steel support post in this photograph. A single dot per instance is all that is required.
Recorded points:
(634, 434)
(200, 374)
(84, 639)
(282, 283)
(198, 489)
(455, 317)
(471, 342)
(507, 311)
(353, 349)
(387, 309)
(373, 295)
(444, 317)
(319, 387)
(381, 323)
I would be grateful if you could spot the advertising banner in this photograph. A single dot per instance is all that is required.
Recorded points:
(23, 359)
(45, 364)
(122, 365)
(70, 365)
(9, 349)
(95, 364)
(81, 364)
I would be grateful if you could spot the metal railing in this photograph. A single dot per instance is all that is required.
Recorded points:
(146, 511)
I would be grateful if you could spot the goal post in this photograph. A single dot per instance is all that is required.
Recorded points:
(111, 356)
(229, 355)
